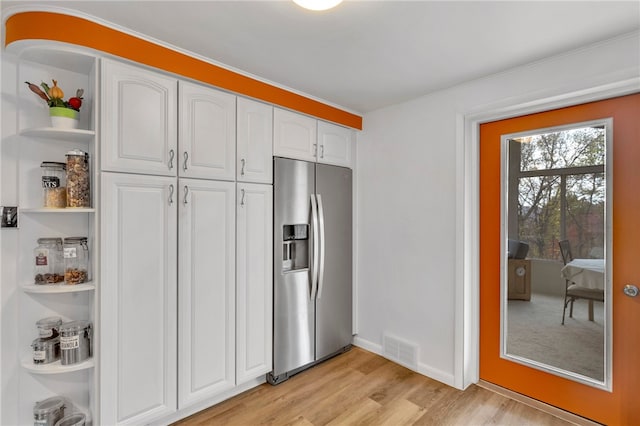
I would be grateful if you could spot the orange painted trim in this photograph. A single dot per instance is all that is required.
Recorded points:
(82, 32)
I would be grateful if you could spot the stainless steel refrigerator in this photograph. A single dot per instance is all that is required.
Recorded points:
(312, 315)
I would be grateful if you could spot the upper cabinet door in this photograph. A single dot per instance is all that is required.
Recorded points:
(207, 133)
(334, 144)
(138, 120)
(294, 135)
(255, 142)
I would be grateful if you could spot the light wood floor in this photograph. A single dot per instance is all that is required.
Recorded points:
(361, 388)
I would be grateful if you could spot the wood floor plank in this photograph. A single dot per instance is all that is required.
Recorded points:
(361, 388)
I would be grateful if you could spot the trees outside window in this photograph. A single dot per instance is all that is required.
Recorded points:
(560, 181)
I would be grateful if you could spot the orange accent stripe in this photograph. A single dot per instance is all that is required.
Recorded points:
(82, 32)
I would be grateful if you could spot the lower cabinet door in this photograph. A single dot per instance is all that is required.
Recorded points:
(206, 264)
(138, 303)
(254, 281)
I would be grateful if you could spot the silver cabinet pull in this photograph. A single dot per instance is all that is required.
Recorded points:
(630, 290)
(242, 197)
(242, 168)
(321, 151)
(186, 157)
(171, 194)
(172, 154)
(186, 192)
(315, 149)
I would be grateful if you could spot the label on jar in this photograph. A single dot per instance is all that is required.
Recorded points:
(70, 252)
(41, 257)
(39, 356)
(50, 182)
(45, 332)
(70, 342)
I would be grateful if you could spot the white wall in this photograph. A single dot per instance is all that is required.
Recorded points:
(411, 201)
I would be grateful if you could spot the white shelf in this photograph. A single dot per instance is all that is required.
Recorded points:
(58, 288)
(55, 367)
(71, 135)
(66, 210)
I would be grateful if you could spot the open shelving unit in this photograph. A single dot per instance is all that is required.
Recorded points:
(37, 141)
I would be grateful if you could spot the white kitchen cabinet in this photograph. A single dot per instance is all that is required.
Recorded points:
(254, 142)
(304, 138)
(138, 120)
(207, 132)
(206, 325)
(335, 144)
(138, 298)
(254, 288)
(294, 135)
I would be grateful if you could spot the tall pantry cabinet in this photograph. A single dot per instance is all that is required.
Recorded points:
(170, 209)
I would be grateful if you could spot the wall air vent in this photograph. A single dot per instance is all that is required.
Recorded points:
(400, 351)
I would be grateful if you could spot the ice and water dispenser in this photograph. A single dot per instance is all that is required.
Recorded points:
(295, 247)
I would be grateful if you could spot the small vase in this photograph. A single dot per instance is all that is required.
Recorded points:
(64, 118)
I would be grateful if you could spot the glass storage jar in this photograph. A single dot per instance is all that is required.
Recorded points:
(49, 411)
(78, 188)
(46, 351)
(48, 327)
(48, 267)
(53, 184)
(75, 419)
(76, 260)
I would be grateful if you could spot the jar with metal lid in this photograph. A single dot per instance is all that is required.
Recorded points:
(49, 265)
(78, 188)
(76, 260)
(54, 184)
(49, 411)
(75, 419)
(48, 327)
(75, 342)
(46, 351)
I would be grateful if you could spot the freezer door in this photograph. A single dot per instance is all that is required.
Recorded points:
(334, 304)
(293, 309)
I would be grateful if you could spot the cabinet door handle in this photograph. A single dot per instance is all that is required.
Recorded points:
(186, 192)
(172, 154)
(171, 194)
(186, 157)
(315, 149)
(242, 197)
(243, 161)
(321, 151)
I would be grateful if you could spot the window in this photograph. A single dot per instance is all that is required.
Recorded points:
(559, 177)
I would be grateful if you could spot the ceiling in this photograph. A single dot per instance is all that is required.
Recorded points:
(365, 55)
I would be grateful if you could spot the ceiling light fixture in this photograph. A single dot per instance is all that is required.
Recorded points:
(317, 4)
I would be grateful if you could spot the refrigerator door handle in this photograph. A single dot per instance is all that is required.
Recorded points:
(322, 245)
(316, 242)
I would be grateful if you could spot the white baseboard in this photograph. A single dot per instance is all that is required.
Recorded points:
(425, 370)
